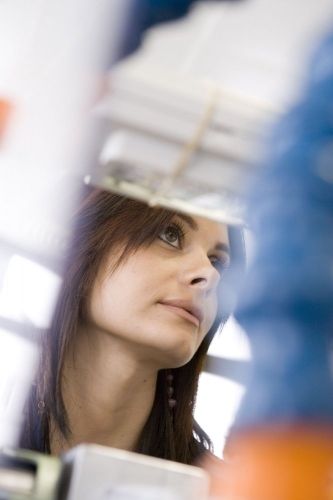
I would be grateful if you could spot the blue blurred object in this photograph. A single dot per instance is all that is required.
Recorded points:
(146, 13)
(286, 305)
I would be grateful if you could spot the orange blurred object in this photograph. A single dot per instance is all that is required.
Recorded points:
(5, 111)
(276, 463)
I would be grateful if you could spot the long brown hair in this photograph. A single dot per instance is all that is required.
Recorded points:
(105, 220)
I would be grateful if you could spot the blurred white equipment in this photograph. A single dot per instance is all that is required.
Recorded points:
(189, 112)
(179, 142)
(101, 473)
(93, 472)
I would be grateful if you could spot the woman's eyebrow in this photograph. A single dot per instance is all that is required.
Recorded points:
(223, 247)
(189, 220)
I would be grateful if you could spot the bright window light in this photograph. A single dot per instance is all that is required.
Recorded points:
(219, 398)
(29, 292)
(18, 359)
(231, 343)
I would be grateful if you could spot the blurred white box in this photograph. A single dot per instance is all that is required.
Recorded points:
(100, 473)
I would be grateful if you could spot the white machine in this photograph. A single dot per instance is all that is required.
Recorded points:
(93, 472)
(180, 142)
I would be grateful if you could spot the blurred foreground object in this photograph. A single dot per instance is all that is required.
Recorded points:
(282, 439)
(51, 71)
(52, 68)
(277, 463)
(5, 111)
(91, 472)
(179, 142)
(188, 114)
(27, 475)
(103, 473)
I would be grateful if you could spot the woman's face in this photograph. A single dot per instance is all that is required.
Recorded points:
(162, 300)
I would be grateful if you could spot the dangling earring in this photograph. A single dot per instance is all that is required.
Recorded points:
(41, 408)
(170, 390)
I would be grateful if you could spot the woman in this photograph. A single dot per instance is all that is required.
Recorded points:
(136, 314)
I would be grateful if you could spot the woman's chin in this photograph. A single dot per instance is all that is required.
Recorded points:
(177, 354)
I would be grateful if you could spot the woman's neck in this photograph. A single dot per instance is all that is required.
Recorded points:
(108, 393)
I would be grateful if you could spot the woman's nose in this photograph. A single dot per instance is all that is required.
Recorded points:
(199, 273)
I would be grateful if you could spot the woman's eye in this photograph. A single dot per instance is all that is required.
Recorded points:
(173, 235)
(221, 264)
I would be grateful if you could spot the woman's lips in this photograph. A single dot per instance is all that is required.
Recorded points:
(179, 311)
